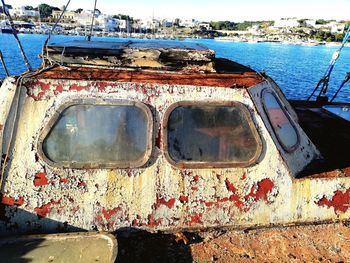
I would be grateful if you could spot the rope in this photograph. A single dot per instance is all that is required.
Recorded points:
(324, 81)
(92, 22)
(14, 32)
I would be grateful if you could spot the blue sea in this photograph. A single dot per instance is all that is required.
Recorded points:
(296, 69)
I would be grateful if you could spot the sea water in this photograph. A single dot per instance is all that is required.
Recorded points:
(296, 69)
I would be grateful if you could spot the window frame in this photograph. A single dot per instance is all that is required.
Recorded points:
(284, 147)
(97, 165)
(208, 165)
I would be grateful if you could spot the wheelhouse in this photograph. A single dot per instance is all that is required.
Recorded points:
(153, 136)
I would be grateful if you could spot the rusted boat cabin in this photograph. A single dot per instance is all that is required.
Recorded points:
(155, 136)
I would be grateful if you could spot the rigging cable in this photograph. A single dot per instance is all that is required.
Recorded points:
(92, 22)
(14, 32)
(54, 27)
(324, 81)
(4, 64)
(347, 78)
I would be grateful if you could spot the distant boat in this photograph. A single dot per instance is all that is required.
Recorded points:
(6, 30)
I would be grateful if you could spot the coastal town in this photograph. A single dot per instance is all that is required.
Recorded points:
(40, 20)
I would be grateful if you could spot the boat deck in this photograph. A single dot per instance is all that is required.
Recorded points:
(331, 135)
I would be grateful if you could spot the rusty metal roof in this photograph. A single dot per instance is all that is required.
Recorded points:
(119, 45)
(163, 55)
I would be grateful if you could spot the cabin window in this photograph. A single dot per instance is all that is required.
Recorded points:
(211, 135)
(93, 135)
(281, 124)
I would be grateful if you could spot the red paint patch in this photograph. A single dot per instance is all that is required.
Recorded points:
(237, 201)
(8, 200)
(64, 180)
(107, 214)
(196, 178)
(45, 209)
(161, 201)
(230, 186)
(102, 86)
(58, 89)
(40, 179)
(82, 184)
(152, 222)
(261, 190)
(186, 173)
(77, 87)
(340, 201)
(194, 188)
(244, 176)
(183, 198)
(195, 218)
(44, 86)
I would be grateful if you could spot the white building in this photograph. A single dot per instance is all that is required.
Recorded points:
(337, 27)
(167, 23)
(107, 23)
(150, 24)
(22, 11)
(189, 23)
(286, 23)
(206, 26)
(254, 29)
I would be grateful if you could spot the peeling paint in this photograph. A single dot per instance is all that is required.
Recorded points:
(40, 179)
(8, 200)
(340, 201)
(157, 196)
(45, 209)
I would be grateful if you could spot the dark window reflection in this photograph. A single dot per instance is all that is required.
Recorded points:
(99, 134)
(210, 134)
(284, 130)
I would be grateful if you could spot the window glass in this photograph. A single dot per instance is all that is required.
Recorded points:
(212, 134)
(100, 134)
(283, 128)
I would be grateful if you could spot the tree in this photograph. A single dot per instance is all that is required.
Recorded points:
(46, 10)
(79, 10)
(321, 22)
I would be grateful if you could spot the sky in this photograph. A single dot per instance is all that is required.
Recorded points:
(211, 10)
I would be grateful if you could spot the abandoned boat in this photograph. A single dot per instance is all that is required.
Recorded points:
(164, 136)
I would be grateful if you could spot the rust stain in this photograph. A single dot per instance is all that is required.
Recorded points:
(159, 139)
(40, 179)
(340, 201)
(245, 79)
